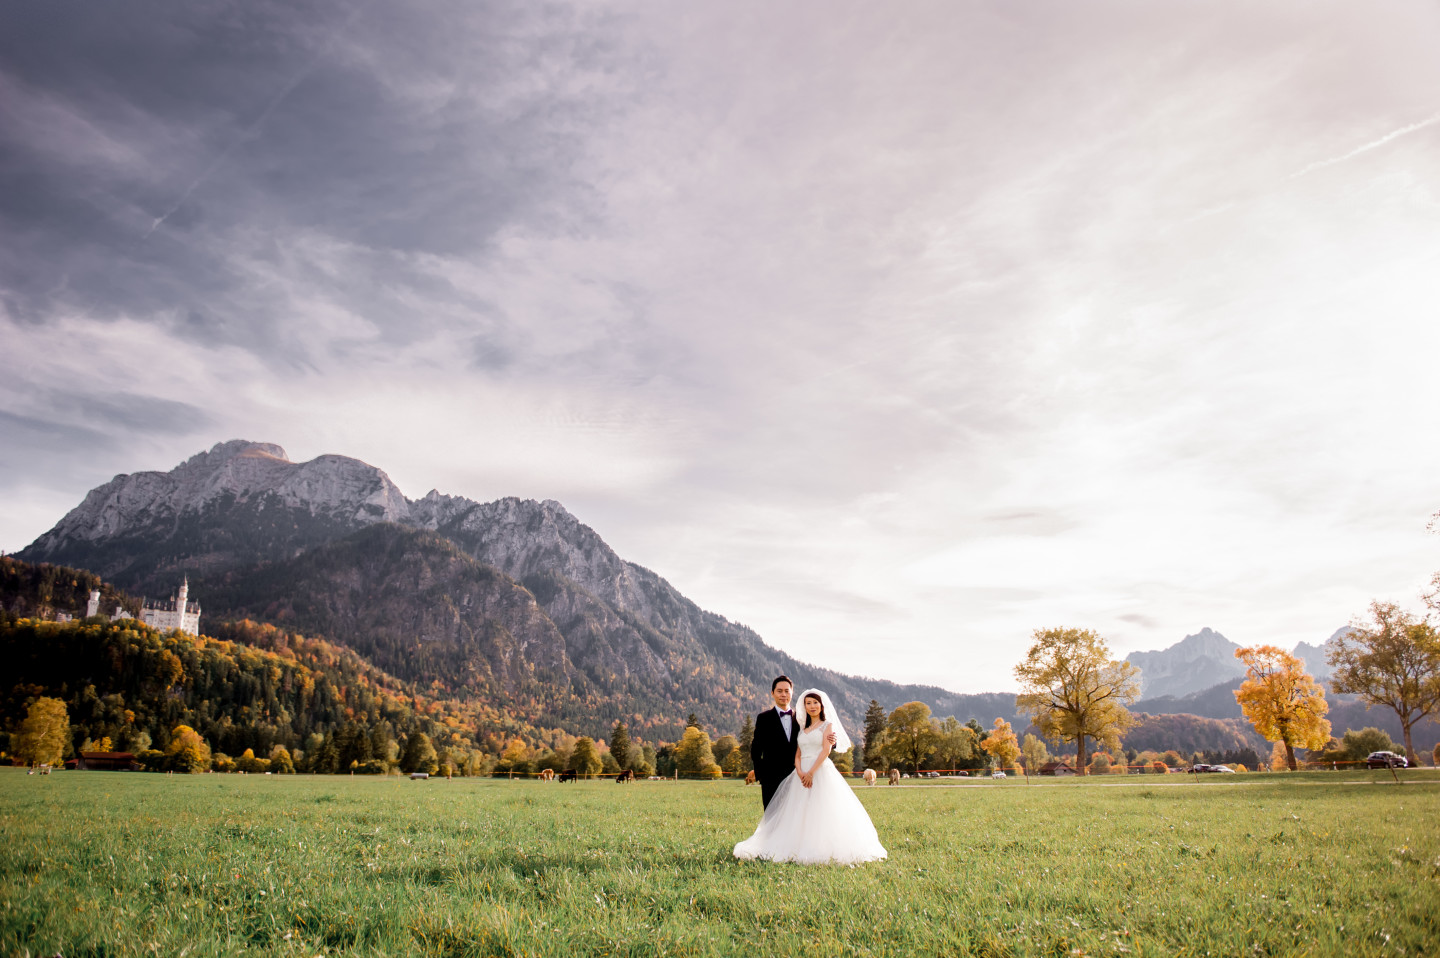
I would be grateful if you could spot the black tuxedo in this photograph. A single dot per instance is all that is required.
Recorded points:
(772, 752)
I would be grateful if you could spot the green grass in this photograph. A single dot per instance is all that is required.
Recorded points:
(127, 864)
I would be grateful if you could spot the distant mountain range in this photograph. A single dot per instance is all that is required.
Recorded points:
(513, 601)
(1206, 659)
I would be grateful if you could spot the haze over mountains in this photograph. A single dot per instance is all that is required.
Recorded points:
(512, 598)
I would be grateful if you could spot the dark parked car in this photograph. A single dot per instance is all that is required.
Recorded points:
(1385, 760)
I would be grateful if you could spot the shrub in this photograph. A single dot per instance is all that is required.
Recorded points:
(1159, 767)
(220, 762)
(710, 771)
(1100, 764)
(1239, 768)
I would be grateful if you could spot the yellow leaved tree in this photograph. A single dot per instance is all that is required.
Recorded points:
(1074, 691)
(42, 735)
(1282, 700)
(1002, 744)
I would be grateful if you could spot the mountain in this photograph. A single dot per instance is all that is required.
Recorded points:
(515, 600)
(1314, 655)
(1196, 662)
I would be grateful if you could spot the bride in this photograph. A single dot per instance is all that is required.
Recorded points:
(815, 816)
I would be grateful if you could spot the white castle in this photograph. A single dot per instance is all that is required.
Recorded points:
(179, 613)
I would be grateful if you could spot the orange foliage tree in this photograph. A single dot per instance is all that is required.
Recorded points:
(1002, 744)
(1282, 700)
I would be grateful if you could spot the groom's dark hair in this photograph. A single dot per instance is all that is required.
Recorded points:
(779, 679)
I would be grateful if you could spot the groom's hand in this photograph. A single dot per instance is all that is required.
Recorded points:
(830, 737)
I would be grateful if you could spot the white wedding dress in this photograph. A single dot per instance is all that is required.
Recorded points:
(822, 823)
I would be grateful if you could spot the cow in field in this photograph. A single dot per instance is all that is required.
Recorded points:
(750, 777)
(547, 775)
(894, 776)
(568, 775)
(625, 777)
(869, 776)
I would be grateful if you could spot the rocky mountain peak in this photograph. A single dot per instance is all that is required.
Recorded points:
(155, 504)
(1196, 662)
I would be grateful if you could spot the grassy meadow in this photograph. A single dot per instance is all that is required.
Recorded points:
(95, 863)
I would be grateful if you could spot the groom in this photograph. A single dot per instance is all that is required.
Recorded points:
(772, 750)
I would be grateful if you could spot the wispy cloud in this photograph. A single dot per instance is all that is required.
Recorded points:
(1366, 148)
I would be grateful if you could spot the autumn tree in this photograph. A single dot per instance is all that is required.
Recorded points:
(872, 755)
(280, 761)
(910, 735)
(585, 757)
(1391, 661)
(1282, 701)
(693, 755)
(723, 746)
(1278, 757)
(1074, 692)
(187, 751)
(42, 735)
(1035, 752)
(419, 755)
(1001, 744)
(734, 764)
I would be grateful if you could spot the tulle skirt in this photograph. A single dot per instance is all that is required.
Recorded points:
(823, 823)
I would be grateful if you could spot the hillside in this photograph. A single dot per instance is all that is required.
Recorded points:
(468, 598)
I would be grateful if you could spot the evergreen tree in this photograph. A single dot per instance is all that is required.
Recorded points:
(620, 745)
(692, 721)
(874, 734)
(747, 735)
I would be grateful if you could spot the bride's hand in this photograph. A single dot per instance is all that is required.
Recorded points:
(806, 779)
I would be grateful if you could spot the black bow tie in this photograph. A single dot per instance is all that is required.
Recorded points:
(786, 712)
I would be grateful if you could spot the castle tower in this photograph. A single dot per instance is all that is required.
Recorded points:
(180, 605)
(93, 606)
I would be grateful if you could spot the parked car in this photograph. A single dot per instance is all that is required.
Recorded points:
(1222, 768)
(1385, 760)
(1199, 767)
(997, 774)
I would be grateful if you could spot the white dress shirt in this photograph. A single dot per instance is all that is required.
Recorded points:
(785, 720)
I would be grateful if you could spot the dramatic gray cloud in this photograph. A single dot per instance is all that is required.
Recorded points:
(895, 333)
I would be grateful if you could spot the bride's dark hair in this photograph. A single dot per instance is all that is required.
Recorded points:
(808, 718)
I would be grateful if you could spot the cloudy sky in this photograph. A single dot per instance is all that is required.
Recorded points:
(895, 331)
